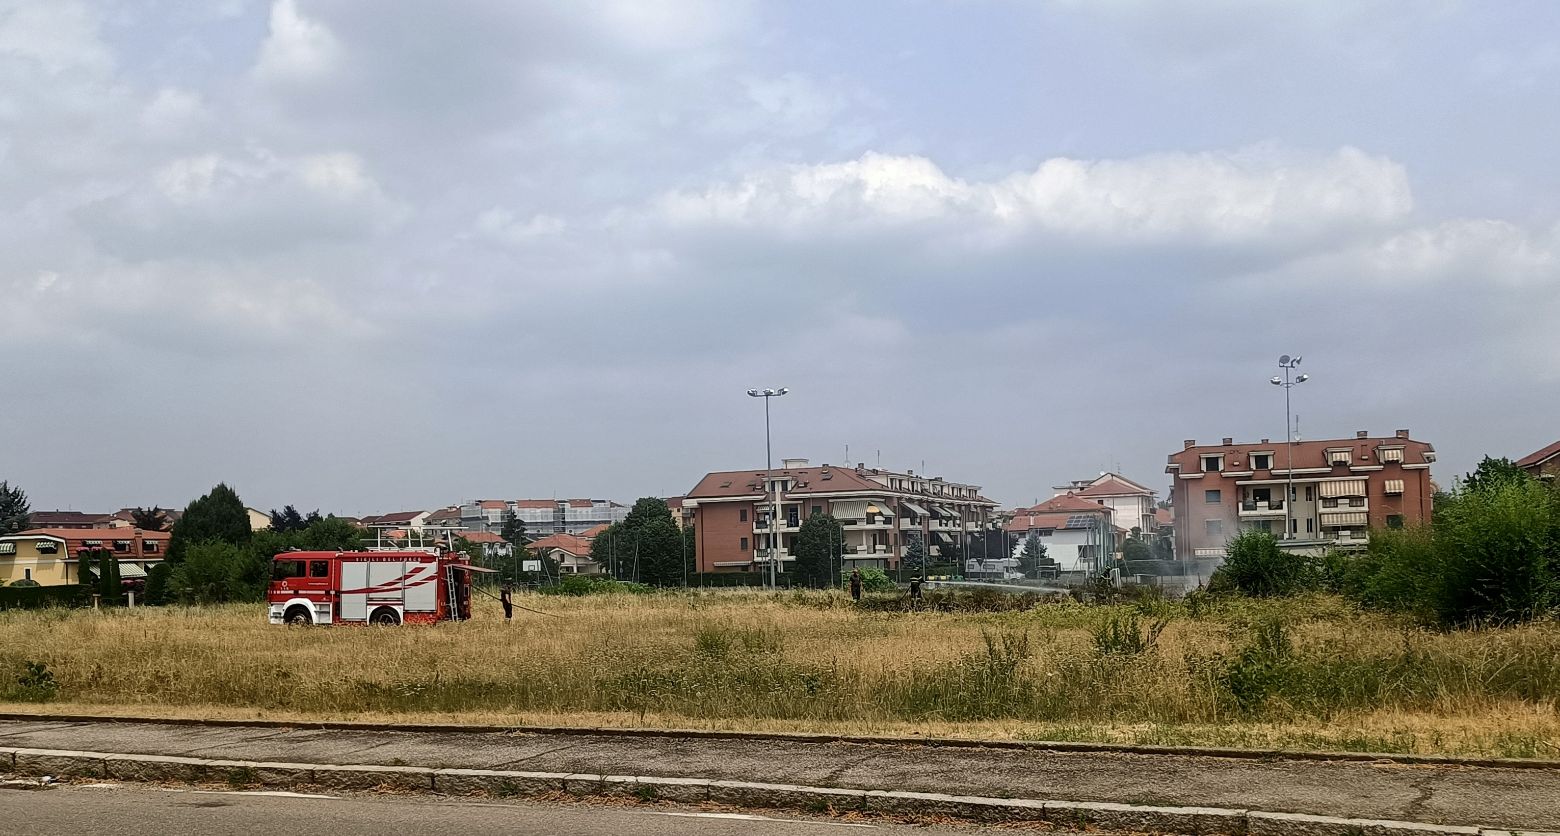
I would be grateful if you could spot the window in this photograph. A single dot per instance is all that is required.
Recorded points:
(1261, 461)
(1339, 457)
(1213, 497)
(817, 509)
(281, 570)
(1212, 464)
(1394, 521)
(7, 548)
(46, 546)
(319, 568)
(1310, 493)
(1294, 526)
(1310, 526)
(1394, 486)
(1214, 528)
(26, 574)
(149, 547)
(1392, 454)
(742, 515)
(744, 544)
(121, 546)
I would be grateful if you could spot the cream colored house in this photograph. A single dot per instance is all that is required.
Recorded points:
(52, 556)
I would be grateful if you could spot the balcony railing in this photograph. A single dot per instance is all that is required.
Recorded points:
(1258, 507)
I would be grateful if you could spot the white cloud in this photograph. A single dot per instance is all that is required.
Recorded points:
(58, 36)
(297, 48)
(252, 202)
(501, 226)
(1246, 196)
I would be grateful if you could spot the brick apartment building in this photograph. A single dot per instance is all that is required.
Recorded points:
(1342, 489)
(881, 511)
(52, 556)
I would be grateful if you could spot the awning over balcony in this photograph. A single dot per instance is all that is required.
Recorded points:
(916, 509)
(849, 509)
(945, 513)
(1352, 518)
(1343, 487)
(883, 507)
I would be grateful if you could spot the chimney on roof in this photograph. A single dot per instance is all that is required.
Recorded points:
(860, 466)
(1264, 441)
(1228, 441)
(1362, 434)
(1190, 443)
(1402, 433)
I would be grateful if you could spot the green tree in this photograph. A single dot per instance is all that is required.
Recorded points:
(214, 572)
(1032, 557)
(1136, 548)
(149, 519)
(816, 548)
(915, 553)
(645, 547)
(159, 583)
(1254, 565)
(109, 585)
(513, 531)
(952, 553)
(14, 509)
(286, 520)
(1494, 473)
(219, 516)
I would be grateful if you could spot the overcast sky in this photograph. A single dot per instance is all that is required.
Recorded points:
(365, 256)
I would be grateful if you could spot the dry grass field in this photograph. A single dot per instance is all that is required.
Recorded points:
(1328, 677)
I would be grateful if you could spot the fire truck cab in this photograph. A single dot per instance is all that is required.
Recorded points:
(416, 586)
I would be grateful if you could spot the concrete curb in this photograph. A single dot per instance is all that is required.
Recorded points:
(804, 737)
(1192, 821)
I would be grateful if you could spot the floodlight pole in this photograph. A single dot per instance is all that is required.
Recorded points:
(1288, 364)
(773, 487)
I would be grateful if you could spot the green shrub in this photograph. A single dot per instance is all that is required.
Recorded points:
(1261, 668)
(1122, 635)
(35, 684)
(1499, 553)
(30, 595)
(1254, 565)
(872, 580)
(577, 585)
(158, 583)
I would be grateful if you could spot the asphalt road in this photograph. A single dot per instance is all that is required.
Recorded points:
(122, 810)
(1519, 799)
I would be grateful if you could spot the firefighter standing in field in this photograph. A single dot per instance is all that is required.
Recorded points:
(855, 585)
(509, 605)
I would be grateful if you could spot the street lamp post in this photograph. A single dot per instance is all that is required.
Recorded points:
(1289, 364)
(769, 464)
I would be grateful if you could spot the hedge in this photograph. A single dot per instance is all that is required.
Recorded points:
(39, 597)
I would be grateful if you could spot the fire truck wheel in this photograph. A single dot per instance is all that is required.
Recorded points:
(298, 616)
(385, 617)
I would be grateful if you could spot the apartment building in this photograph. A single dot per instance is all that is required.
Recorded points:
(74, 520)
(52, 556)
(1131, 504)
(1342, 488)
(542, 517)
(882, 512)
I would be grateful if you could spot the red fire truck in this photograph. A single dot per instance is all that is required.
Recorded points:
(414, 586)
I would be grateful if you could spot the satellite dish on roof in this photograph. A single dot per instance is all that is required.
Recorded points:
(1283, 360)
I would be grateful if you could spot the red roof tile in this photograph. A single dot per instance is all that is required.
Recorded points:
(480, 537)
(1538, 457)
(1308, 454)
(577, 546)
(1114, 485)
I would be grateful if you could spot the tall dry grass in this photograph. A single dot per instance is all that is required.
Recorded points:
(1342, 679)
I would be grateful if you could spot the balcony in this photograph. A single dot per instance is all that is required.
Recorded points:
(1262, 508)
